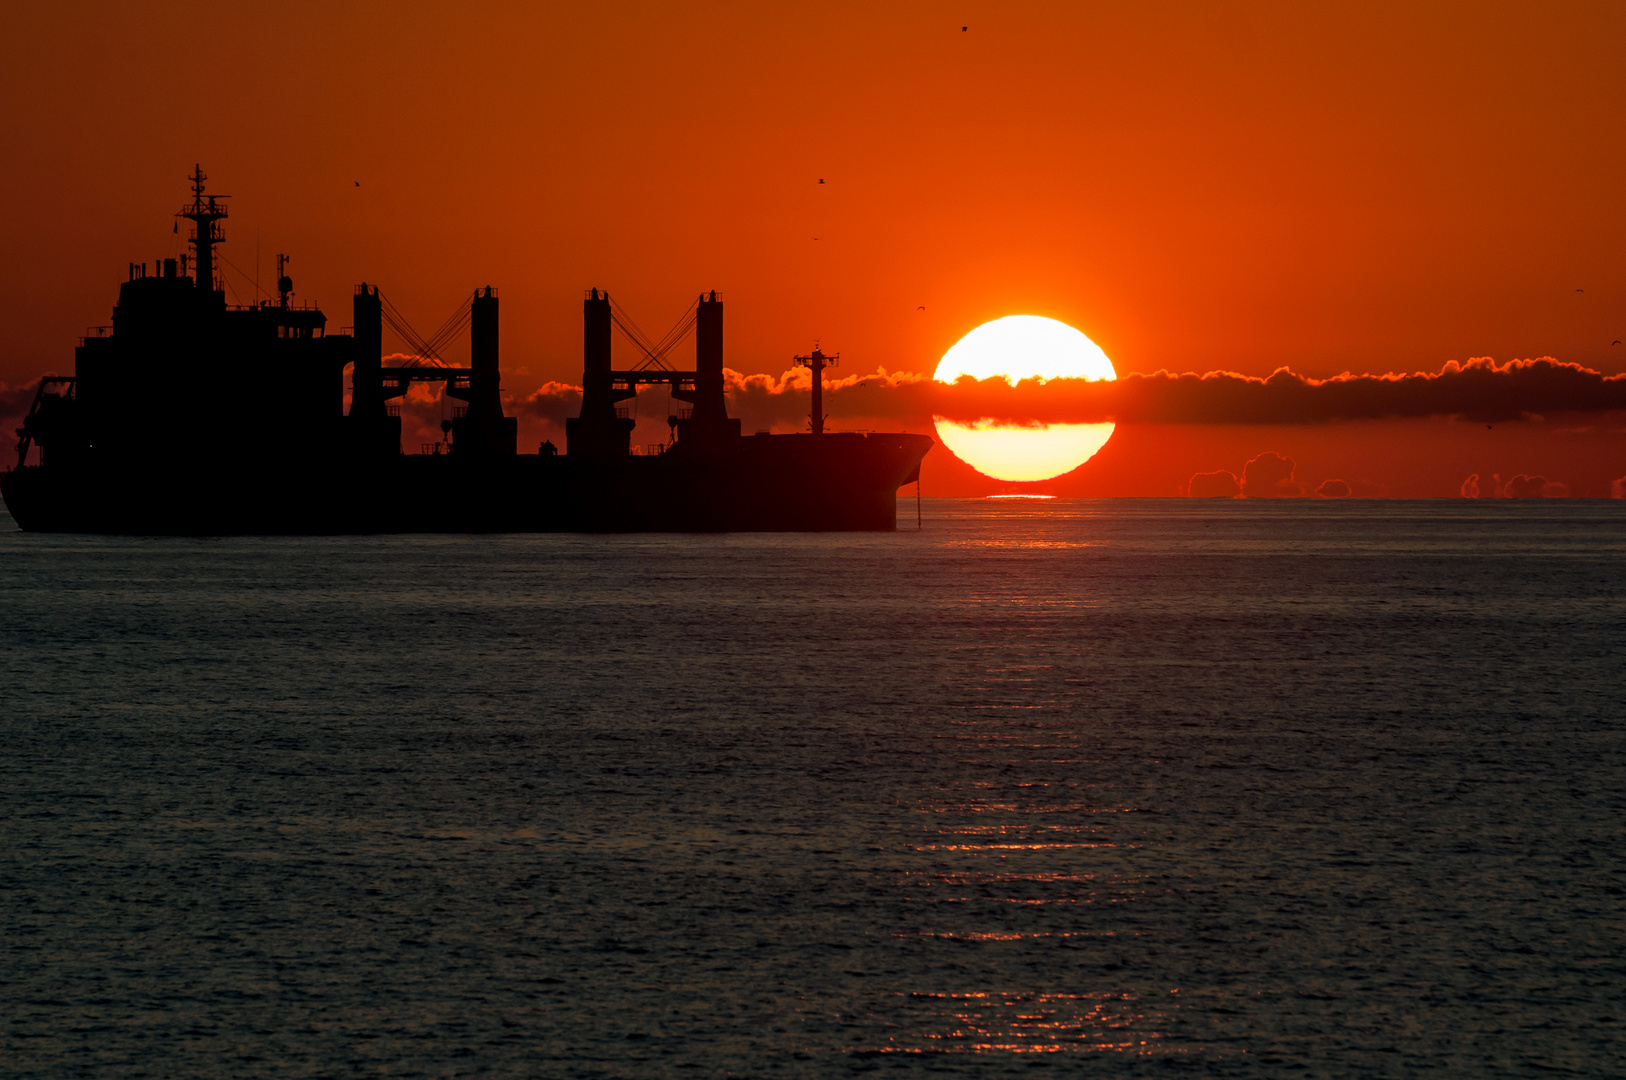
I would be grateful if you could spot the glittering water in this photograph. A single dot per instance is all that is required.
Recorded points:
(1106, 788)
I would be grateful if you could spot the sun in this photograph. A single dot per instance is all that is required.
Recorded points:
(1024, 347)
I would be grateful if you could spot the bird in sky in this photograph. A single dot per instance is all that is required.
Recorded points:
(1580, 290)
(1612, 344)
(821, 181)
(922, 307)
(963, 29)
(358, 183)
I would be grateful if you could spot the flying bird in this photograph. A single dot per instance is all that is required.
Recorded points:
(1580, 290)
(963, 29)
(922, 307)
(821, 181)
(1613, 343)
(358, 183)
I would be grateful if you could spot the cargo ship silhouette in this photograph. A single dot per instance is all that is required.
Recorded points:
(189, 416)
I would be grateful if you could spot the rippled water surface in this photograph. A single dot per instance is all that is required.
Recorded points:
(1105, 788)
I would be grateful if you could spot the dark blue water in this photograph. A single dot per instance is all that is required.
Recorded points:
(1107, 788)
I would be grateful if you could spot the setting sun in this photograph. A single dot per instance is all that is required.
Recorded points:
(1021, 347)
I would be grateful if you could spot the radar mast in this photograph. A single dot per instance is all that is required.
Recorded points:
(204, 213)
(816, 362)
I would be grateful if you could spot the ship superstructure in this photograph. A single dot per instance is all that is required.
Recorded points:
(191, 416)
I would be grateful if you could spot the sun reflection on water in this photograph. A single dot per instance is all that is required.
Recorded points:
(979, 1022)
(1027, 852)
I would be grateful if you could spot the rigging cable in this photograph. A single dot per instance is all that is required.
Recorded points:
(227, 281)
(654, 352)
(428, 351)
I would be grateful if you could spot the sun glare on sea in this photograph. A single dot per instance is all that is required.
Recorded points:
(1024, 347)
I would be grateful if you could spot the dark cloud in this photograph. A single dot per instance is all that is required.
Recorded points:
(766, 402)
(1480, 390)
(553, 402)
(1333, 489)
(15, 401)
(1214, 485)
(761, 402)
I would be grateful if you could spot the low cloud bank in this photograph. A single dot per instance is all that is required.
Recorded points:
(1519, 486)
(767, 403)
(552, 402)
(1480, 390)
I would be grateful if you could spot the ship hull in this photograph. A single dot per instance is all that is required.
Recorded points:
(842, 481)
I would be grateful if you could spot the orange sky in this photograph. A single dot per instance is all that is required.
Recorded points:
(1360, 187)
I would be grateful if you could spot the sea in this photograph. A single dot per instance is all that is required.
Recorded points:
(1030, 787)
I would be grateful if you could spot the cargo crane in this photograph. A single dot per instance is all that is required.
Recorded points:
(482, 429)
(605, 430)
